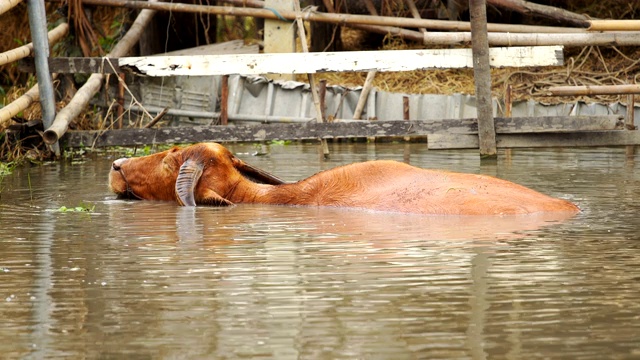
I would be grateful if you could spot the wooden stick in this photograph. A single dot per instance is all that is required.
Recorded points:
(550, 12)
(322, 92)
(120, 99)
(508, 101)
(158, 117)
(630, 121)
(482, 76)
(224, 101)
(594, 90)
(372, 9)
(405, 108)
(630, 150)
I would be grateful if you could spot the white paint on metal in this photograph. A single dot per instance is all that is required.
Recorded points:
(309, 63)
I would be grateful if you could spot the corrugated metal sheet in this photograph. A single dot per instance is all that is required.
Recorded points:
(258, 99)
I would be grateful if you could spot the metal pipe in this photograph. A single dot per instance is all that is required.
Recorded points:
(38, 26)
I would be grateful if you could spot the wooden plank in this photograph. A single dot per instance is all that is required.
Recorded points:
(309, 63)
(532, 140)
(279, 36)
(557, 124)
(388, 60)
(72, 65)
(310, 130)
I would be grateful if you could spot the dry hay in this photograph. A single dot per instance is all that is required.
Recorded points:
(591, 65)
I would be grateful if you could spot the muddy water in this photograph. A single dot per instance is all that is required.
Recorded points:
(140, 280)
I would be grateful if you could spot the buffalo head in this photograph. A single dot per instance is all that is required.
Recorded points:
(203, 173)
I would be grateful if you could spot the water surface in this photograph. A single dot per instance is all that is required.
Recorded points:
(138, 279)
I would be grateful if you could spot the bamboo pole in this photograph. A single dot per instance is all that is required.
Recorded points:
(20, 104)
(341, 19)
(6, 5)
(594, 90)
(614, 25)
(93, 84)
(364, 95)
(512, 39)
(312, 81)
(27, 50)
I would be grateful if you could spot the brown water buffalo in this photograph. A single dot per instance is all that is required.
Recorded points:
(209, 174)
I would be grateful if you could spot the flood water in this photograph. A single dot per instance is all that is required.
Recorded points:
(147, 280)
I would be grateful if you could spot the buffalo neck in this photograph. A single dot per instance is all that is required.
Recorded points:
(247, 191)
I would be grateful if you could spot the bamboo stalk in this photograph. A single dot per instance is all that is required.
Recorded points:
(614, 25)
(6, 5)
(26, 50)
(364, 95)
(93, 84)
(594, 90)
(511, 39)
(331, 18)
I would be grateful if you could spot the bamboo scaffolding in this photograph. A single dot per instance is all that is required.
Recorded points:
(6, 5)
(27, 50)
(341, 19)
(93, 84)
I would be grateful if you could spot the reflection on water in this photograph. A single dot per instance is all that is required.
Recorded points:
(140, 279)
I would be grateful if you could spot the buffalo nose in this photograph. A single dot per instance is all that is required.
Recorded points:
(117, 165)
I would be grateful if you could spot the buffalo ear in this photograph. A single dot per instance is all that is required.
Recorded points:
(255, 174)
(188, 177)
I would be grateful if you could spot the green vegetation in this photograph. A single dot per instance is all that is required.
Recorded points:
(6, 168)
(80, 208)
